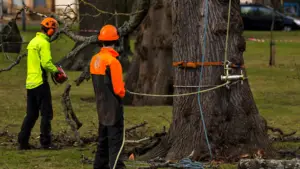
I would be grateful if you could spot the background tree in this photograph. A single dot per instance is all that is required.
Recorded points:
(91, 21)
(151, 67)
(232, 119)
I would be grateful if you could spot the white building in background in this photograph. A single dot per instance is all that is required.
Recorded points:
(60, 6)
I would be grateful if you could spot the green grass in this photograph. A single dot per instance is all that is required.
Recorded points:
(275, 90)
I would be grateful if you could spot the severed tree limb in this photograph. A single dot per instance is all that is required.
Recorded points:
(66, 102)
(160, 165)
(291, 153)
(85, 75)
(283, 137)
(138, 141)
(286, 139)
(156, 135)
(282, 134)
(268, 164)
(136, 126)
(15, 63)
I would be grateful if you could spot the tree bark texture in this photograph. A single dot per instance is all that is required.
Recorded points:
(150, 70)
(232, 119)
(233, 123)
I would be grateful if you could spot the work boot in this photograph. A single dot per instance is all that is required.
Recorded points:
(25, 147)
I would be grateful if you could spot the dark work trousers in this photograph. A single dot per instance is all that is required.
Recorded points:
(38, 99)
(110, 146)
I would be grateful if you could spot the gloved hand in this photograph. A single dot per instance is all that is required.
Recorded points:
(60, 76)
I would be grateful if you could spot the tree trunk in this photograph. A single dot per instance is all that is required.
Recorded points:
(88, 22)
(150, 70)
(233, 123)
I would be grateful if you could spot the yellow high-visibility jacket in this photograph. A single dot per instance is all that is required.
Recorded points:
(39, 61)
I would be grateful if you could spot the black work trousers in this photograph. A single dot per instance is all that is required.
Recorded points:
(38, 99)
(110, 146)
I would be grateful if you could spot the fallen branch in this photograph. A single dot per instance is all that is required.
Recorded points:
(268, 164)
(137, 141)
(136, 126)
(156, 135)
(15, 63)
(289, 153)
(85, 75)
(66, 102)
(282, 134)
(285, 139)
(158, 165)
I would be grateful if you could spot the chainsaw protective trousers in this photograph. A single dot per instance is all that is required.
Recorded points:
(38, 99)
(110, 146)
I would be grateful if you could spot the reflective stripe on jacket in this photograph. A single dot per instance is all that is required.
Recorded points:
(39, 61)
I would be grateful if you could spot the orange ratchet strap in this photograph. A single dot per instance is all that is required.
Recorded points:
(198, 64)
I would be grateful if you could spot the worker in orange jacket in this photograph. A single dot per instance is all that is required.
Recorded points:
(107, 78)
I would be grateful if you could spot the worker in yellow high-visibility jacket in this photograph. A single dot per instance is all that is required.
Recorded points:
(39, 63)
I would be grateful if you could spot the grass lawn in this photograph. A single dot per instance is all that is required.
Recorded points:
(276, 92)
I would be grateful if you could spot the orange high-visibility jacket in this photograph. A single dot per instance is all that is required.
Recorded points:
(106, 58)
(106, 72)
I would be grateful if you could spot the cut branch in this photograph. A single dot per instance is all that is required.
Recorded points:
(15, 63)
(85, 75)
(273, 129)
(66, 102)
(289, 153)
(136, 126)
(268, 164)
(285, 139)
(156, 135)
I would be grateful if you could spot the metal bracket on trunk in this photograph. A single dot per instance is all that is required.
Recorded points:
(228, 77)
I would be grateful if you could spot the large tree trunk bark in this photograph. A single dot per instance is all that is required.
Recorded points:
(233, 122)
(150, 70)
(90, 22)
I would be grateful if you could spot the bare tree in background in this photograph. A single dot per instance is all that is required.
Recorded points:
(91, 21)
(151, 68)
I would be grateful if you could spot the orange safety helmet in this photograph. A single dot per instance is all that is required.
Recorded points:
(108, 33)
(51, 24)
